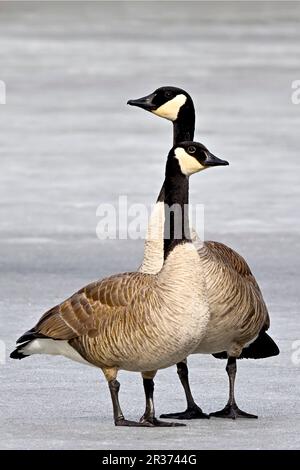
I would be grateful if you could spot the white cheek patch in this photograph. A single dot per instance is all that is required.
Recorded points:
(188, 164)
(171, 108)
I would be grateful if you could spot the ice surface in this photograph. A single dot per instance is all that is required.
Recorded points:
(68, 142)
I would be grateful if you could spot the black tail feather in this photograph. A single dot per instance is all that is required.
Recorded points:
(30, 335)
(264, 346)
(17, 354)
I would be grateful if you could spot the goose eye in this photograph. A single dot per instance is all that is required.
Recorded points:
(168, 94)
(191, 149)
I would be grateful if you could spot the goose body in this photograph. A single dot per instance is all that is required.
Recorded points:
(238, 313)
(135, 321)
(238, 310)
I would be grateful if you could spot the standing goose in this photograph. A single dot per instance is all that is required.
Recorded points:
(239, 317)
(136, 321)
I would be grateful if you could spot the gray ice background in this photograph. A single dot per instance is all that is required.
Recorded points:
(68, 142)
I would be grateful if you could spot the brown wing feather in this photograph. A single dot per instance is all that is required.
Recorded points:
(231, 260)
(230, 257)
(84, 312)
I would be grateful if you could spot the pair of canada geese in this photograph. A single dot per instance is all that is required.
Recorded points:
(187, 297)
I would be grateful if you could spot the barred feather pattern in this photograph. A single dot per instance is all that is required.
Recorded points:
(237, 308)
(136, 321)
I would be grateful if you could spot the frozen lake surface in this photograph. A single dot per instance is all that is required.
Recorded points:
(68, 142)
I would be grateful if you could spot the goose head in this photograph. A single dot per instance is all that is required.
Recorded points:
(191, 157)
(167, 102)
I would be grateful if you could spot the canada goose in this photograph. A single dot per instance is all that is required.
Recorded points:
(239, 317)
(136, 321)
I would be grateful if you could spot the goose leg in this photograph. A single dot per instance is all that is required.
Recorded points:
(231, 410)
(114, 387)
(193, 411)
(149, 415)
(119, 419)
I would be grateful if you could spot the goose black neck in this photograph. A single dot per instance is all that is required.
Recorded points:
(184, 126)
(183, 129)
(176, 198)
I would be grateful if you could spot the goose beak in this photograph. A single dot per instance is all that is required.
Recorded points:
(145, 103)
(212, 160)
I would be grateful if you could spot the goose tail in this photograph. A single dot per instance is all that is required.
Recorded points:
(264, 346)
(20, 351)
(23, 350)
